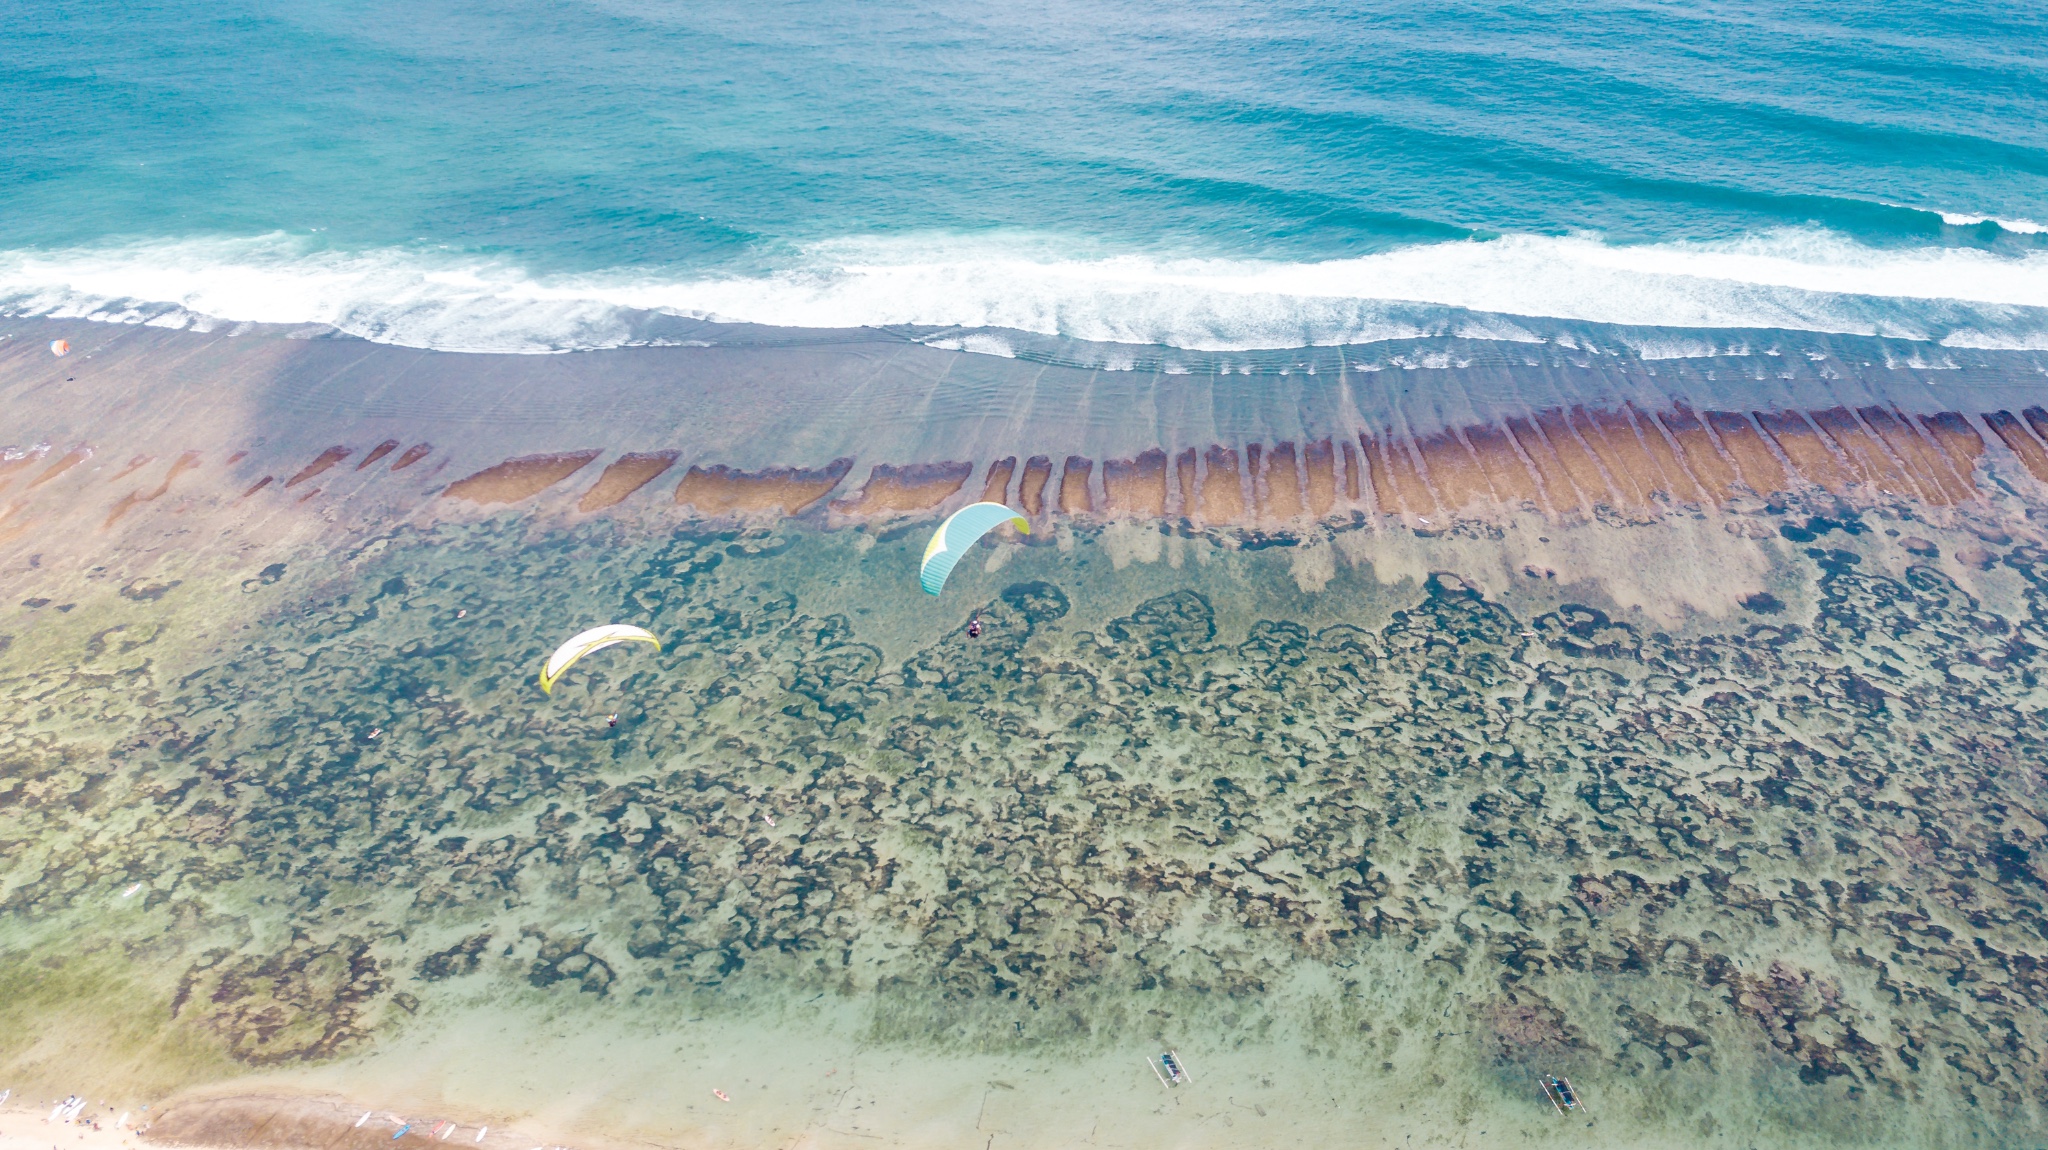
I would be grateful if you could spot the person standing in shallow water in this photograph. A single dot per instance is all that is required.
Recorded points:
(974, 627)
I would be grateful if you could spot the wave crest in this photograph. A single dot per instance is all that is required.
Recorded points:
(1801, 280)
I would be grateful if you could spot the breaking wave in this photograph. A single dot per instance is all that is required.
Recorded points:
(1806, 280)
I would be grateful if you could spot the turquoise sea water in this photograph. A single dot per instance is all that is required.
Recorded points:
(1218, 175)
(1733, 816)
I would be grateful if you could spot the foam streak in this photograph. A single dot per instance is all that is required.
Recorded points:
(1802, 280)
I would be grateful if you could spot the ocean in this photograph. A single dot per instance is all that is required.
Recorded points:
(536, 177)
(1537, 576)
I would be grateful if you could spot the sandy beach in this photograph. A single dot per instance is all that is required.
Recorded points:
(246, 1118)
(21, 1128)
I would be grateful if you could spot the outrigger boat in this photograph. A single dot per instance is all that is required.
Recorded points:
(1170, 1071)
(1559, 1090)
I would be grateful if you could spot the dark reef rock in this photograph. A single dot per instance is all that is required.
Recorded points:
(305, 1003)
(1815, 847)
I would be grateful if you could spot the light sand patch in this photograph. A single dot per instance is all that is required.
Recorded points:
(1670, 569)
(1313, 564)
(1127, 543)
(14, 522)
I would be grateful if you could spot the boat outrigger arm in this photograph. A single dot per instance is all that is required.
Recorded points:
(1561, 1093)
(1175, 1072)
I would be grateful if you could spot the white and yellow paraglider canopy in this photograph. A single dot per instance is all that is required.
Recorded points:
(595, 639)
(959, 532)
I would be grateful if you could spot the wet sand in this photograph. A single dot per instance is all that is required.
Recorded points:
(1682, 741)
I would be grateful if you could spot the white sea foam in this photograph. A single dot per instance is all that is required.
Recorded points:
(981, 342)
(1797, 279)
(2018, 227)
(2003, 341)
(1675, 347)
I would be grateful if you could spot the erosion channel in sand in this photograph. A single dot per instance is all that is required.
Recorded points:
(1379, 737)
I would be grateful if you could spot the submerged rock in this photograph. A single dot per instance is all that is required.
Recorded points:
(1802, 847)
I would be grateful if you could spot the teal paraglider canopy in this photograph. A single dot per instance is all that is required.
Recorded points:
(959, 532)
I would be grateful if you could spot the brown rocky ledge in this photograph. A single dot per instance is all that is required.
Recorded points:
(521, 478)
(722, 490)
(1559, 462)
(626, 474)
(892, 490)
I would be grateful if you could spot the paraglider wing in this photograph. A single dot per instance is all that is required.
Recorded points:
(595, 639)
(957, 534)
(60, 348)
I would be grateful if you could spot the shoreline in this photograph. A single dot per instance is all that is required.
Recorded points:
(144, 434)
(24, 1127)
(231, 1118)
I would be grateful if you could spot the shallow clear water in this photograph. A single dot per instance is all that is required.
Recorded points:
(1370, 850)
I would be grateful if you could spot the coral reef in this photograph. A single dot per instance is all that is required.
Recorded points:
(1802, 845)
